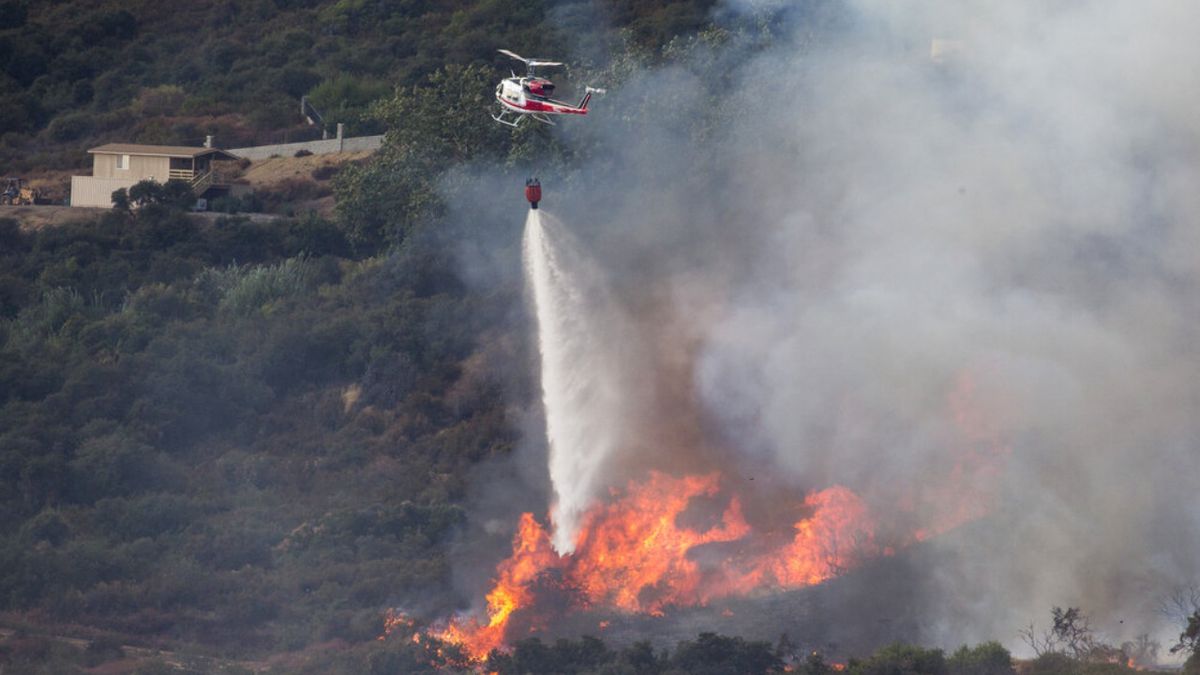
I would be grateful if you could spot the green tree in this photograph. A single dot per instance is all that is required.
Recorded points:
(712, 654)
(987, 658)
(901, 659)
(120, 199)
(173, 194)
(431, 127)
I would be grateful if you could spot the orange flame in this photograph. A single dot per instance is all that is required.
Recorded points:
(634, 545)
(633, 554)
(531, 555)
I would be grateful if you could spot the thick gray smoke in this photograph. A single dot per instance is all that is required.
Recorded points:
(898, 205)
(1024, 213)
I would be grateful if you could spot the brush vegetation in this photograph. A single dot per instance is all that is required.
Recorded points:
(74, 75)
(232, 439)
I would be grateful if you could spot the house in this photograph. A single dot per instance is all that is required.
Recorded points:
(121, 165)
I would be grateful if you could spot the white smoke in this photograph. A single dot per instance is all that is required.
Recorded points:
(911, 193)
(1026, 211)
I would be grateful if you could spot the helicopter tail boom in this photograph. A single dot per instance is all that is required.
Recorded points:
(587, 97)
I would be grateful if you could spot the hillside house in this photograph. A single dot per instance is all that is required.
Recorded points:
(121, 165)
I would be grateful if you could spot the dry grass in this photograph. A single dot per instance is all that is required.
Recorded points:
(32, 218)
(269, 172)
(298, 183)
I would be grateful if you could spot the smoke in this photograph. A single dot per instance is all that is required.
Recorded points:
(1017, 213)
(885, 235)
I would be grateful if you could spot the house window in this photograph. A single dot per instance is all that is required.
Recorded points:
(122, 161)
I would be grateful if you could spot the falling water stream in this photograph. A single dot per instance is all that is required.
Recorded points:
(578, 337)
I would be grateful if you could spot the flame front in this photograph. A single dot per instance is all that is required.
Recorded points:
(633, 555)
(634, 545)
(532, 554)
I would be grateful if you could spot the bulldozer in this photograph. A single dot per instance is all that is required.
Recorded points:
(16, 192)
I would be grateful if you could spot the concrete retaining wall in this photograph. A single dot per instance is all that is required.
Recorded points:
(325, 147)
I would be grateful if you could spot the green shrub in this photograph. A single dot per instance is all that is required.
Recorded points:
(70, 127)
(248, 290)
(901, 659)
(987, 658)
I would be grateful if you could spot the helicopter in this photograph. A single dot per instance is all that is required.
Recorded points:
(529, 96)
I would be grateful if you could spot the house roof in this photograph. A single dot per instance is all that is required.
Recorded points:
(158, 150)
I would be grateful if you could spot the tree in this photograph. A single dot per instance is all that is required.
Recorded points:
(172, 194)
(564, 657)
(902, 659)
(988, 658)
(431, 127)
(161, 100)
(1183, 607)
(712, 654)
(120, 200)
(1070, 633)
(1189, 643)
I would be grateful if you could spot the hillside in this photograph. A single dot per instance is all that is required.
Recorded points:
(78, 74)
(185, 407)
(244, 440)
(782, 274)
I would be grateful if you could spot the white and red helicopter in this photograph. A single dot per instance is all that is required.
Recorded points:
(530, 95)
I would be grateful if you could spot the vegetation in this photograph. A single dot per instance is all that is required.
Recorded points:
(236, 439)
(74, 75)
(1184, 607)
(232, 434)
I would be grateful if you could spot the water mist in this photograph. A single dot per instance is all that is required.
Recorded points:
(579, 331)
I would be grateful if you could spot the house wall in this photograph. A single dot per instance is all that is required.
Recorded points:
(92, 191)
(141, 167)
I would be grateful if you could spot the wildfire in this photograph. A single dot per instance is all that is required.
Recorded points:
(531, 555)
(641, 552)
(632, 555)
(632, 548)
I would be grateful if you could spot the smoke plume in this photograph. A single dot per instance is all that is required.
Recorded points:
(874, 236)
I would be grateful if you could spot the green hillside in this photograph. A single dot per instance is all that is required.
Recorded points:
(231, 439)
(77, 74)
(241, 442)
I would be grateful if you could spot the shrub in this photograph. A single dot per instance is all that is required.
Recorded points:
(47, 526)
(902, 659)
(988, 658)
(70, 127)
(324, 172)
(245, 290)
(712, 654)
(161, 100)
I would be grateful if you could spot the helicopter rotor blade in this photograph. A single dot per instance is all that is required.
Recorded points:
(513, 55)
